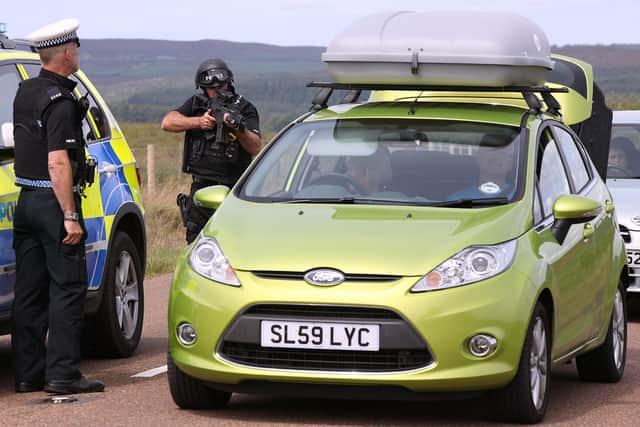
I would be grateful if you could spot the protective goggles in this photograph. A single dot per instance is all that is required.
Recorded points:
(214, 77)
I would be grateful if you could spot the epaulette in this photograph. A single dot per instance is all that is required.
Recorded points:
(54, 93)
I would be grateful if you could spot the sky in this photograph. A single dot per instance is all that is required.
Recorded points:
(307, 22)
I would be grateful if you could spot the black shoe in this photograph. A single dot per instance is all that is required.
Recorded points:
(28, 386)
(81, 385)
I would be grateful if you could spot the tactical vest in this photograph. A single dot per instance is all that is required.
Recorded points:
(32, 100)
(205, 158)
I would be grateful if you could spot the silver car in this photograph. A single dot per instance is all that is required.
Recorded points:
(623, 180)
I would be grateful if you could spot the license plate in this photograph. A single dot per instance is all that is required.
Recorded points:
(319, 335)
(633, 258)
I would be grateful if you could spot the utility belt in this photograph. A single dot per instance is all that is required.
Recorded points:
(38, 184)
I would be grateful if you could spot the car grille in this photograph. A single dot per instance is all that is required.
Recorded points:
(322, 311)
(289, 275)
(401, 347)
(326, 360)
(624, 232)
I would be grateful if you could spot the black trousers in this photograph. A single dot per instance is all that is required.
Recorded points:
(197, 216)
(50, 291)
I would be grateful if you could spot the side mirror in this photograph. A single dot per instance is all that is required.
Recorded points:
(572, 209)
(211, 197)
(7, 136)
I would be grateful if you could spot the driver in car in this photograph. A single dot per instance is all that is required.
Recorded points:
(371, 174)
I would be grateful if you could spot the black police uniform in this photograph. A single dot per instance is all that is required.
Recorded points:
(209, 162)
(51, 280)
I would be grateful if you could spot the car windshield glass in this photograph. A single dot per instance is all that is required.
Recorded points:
(390, 161)
(624, 152)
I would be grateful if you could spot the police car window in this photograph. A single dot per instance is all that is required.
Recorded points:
(575, 162)
(94, 114)
(32, 69)
(552, 179)
(9, 80)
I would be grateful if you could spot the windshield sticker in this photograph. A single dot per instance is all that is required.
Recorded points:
(490, 188)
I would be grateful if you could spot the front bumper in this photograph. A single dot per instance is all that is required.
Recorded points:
(443, 321)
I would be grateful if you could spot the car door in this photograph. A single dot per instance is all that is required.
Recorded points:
(9, 80)
(569, 263)
(583, 182)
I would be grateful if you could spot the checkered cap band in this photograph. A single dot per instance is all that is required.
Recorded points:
(57, 41)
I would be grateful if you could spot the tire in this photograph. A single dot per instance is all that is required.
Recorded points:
(117, 327)
(190, 393)
(606, 363)
(521, 401)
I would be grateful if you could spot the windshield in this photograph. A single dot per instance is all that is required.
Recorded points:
(389, 161)
(624, 152)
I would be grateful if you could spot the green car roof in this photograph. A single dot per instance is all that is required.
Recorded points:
(507, 115)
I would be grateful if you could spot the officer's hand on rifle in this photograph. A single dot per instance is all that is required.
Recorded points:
(207, 121)
(234, 122)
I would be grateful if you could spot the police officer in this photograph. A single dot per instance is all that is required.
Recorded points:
(218, 144)
(49, 232)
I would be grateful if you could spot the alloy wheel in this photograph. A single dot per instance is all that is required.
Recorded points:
(126, 295)
(618, 330)
(538, 363)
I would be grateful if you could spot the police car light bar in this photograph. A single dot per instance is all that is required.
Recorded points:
(3, 28)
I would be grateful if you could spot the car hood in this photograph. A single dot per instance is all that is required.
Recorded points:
(625, 193)
(356, 239)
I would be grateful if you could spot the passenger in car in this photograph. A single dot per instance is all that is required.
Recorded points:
(624, 156)
(496, 174)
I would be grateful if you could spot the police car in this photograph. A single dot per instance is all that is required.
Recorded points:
(113, 212)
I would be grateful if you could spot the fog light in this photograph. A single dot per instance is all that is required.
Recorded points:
(187, 334)
(482, 345)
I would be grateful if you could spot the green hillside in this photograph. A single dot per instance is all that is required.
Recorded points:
(143, 79)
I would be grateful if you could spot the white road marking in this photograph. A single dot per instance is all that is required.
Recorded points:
(151, 372)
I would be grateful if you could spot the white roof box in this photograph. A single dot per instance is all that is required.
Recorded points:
(441, 48)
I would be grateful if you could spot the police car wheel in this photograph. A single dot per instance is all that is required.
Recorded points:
(190, 393)
(119, 319)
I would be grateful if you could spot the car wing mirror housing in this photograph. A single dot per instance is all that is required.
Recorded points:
(572, 209)
(211, 197)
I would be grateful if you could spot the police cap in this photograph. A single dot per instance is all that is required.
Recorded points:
(56, 34)
(213, 73)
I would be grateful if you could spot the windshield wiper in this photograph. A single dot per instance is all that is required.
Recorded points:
(336, 200)
(469, 203)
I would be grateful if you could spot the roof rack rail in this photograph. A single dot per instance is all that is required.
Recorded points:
(528, 92)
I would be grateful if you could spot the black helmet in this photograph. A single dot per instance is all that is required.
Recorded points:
(213, 73)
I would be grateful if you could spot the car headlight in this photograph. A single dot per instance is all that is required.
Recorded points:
(206, 258)
(468, 266)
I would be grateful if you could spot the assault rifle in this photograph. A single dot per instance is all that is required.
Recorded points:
(223, 103)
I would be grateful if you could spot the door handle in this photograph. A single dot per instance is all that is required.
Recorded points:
(609, 207)
(587, 232)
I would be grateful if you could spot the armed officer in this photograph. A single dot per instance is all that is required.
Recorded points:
(49, 233)
(222, 134)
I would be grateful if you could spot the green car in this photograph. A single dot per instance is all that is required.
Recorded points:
(414, 245)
